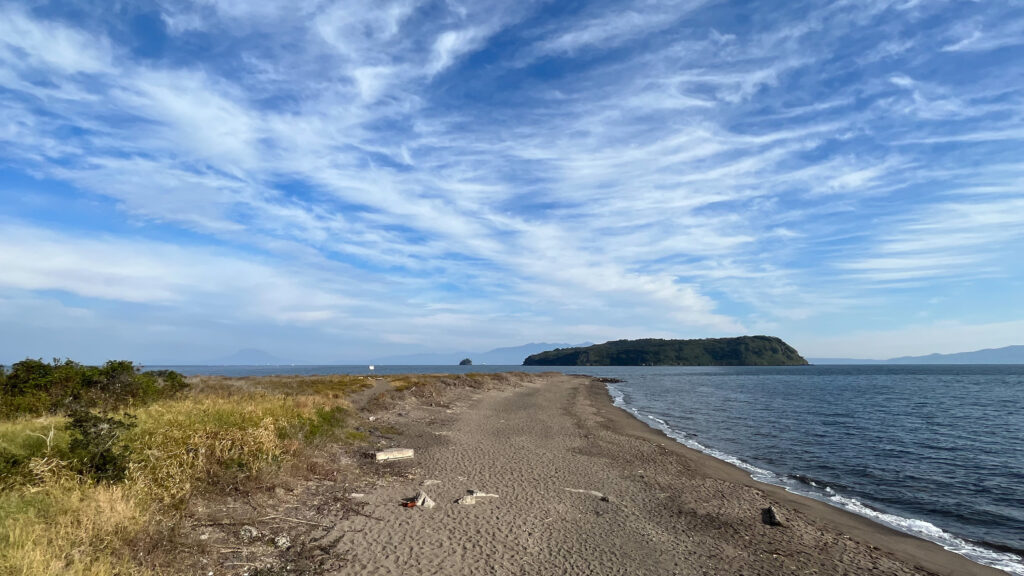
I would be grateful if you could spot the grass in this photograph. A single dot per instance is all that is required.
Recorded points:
(23, 439)
(433, 388)
(64, 526)
(221, 435)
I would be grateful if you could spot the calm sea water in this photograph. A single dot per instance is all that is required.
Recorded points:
(935, 451)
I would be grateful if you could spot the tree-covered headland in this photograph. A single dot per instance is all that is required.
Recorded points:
(741, 351)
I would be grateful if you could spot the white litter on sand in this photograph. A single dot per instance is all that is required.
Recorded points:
(424, 501)
(591, 492)
(472, 496)
(393, 454)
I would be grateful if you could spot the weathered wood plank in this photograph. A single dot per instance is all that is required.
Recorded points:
(393, 454)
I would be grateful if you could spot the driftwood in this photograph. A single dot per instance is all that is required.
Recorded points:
(393, 454)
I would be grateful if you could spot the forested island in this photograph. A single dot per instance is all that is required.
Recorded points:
(740, 351)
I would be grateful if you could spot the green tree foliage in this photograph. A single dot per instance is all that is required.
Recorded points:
(741, 351)
(35, 387)
(97, 447)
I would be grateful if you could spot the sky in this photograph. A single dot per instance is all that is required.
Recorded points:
(333, 181)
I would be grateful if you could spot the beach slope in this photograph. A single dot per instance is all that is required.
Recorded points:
(581, 487)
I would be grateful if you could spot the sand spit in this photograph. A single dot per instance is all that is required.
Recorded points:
(584, 488)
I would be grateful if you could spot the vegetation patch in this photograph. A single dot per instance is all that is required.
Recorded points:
(34, 387)
(740, 351)
(434, 388)
(96, 460)
(112, 470)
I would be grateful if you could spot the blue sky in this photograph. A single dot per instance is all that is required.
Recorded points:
(335, 181)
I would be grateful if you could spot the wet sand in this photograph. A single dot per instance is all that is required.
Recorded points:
(584, 488)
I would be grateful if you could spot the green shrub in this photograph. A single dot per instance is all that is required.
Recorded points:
(325, 421)
(97, 447)
(13, 466)
(34, 387)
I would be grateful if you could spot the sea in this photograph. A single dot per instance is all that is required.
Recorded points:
(933, 451)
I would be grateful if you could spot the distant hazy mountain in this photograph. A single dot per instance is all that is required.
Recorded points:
(250, 357)
(844, 361)
(499, 356)
(1007, 355)
(516, 354)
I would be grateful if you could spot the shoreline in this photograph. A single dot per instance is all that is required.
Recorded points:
(924, 553)
(584, 487)
(961, 545)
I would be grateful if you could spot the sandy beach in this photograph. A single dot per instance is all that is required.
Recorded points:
(582, 487)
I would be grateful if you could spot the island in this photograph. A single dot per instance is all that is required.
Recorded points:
(465, 362)
(739, 351)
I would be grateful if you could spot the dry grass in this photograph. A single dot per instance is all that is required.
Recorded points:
(182, 446)
(223, 434)
(22, 439)
(64, 526)
(333, 385)
(434, 388)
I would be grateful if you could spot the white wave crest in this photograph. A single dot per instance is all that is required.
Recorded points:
(1005, 561)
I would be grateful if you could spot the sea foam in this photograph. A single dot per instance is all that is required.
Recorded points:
(1005, 561)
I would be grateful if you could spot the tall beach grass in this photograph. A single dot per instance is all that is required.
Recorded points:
(220, 433)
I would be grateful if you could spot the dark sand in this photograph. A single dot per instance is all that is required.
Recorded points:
(670, 509)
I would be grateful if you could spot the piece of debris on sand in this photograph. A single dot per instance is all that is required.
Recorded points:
(393, 454)
(591, 492)
(472, 496)
(770, 516)
(420, 500)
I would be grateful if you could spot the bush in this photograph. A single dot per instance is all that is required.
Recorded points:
(97, 446)
(79, 493)
(12, 466)
(34, 387)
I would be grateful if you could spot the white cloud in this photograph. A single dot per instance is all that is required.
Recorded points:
(613, 27)
(54, 47)
(193, 114)
(901, 80)
(976, 38)
(952, 240)
(686, 184)
(147, 272)
(365, 31)
(452, 44)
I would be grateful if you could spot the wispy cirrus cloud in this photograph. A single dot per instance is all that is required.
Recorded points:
(961, 239)
(25, 45)
(979, 37)
(146, 272)
(655, 165)
(610, 25)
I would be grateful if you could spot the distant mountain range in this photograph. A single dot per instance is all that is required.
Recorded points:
(1006, 355)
